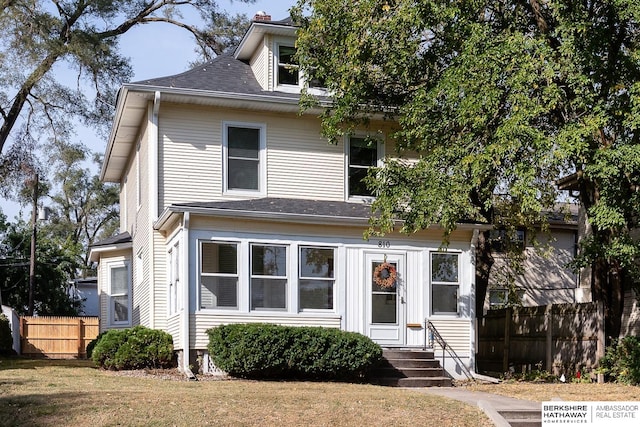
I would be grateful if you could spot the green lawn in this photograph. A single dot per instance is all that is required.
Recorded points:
(74, 393)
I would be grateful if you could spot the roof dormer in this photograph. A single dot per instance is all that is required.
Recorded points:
(269, 48)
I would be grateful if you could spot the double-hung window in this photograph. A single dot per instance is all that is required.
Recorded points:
(363, 153)
(218, 275)
(119, 295)
(316, 278)
(244, 157)
(288, 70)
(269, 272)
(445, 283)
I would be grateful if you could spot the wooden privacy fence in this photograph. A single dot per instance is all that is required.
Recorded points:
(57, 337)
(560, 338)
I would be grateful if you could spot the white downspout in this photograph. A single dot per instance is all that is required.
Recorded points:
(153, 200)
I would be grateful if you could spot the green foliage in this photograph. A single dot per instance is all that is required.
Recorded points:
(134, 348)
(6, 339)
(93, 344)
(272, 351)
(493, 98)
(621, 361)
(54, 267)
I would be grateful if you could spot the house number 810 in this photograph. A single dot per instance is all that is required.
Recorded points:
(384, 244)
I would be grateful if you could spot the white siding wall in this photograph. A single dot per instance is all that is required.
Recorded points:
(259, 65)
(161, 284)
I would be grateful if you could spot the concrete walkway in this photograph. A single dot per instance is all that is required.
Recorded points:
(503, 411)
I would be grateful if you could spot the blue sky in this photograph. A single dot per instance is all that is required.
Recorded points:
(158, 50)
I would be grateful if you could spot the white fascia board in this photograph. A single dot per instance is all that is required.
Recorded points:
(122, 96)
(96, 252)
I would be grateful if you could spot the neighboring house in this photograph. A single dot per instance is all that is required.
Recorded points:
(234, 209)
(86, 291)
(547, 277)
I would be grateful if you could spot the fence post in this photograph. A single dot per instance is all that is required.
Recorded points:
(79, 337)
(507, 339)
(23, 341)
(600, 346)
(548, 320)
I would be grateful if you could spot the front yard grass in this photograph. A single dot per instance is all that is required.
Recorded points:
(75, 393)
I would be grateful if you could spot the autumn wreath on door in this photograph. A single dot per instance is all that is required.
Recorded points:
(385, 275)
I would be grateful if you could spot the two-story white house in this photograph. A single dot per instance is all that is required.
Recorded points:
(234, 209)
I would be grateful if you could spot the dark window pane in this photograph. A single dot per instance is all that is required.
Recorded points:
(444, 299)
(357, 186)
(121, 309)
(383, 308)
(268, 260)
(316, 294)
(287, 75)
(316, 262)
(363, 152)
(269, 294)
(243, 174)
(243, 142)
(219, 258)
(219, 292)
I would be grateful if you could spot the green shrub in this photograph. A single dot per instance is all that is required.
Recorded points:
(6, 339)
(283, 352)
(621, 361)
(93, 344)
(134, 348)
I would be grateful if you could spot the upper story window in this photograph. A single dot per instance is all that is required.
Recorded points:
(503, 240)
(288, 72)
(244, 157)
(363, 153)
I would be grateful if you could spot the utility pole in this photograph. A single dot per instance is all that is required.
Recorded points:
(32, 260)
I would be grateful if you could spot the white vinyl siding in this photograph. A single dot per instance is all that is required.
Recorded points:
(259, 66)
(457, 334)
(300, 163)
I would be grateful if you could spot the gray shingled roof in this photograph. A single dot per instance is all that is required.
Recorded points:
(318, 208)
(115, 240)
(222, 74)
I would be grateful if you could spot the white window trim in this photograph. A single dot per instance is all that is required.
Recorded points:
(302, 78)
(379, 163)
(300, 277)
(200, 274)
(262, 158)
(110, 266)
(457, 284)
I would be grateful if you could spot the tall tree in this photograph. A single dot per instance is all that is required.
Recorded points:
(83, 209)
(54, 268)
(39, 36)
(499, 99)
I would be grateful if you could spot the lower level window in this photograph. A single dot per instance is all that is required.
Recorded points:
(119, 284)
(316, 280)
(444, 283)
(218, 275)
(268, 277)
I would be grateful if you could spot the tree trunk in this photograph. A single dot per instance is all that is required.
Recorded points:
(484, 262)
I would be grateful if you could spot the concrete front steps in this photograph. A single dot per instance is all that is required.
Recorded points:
(409, 368)
(522, 417)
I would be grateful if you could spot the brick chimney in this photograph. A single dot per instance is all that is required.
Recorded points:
(262, 16)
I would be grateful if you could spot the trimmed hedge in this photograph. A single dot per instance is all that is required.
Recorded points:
(284, 352)
(6, 339)
(134, 348)
(93, 344)
(621, 361)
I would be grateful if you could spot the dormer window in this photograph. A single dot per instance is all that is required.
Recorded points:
(288, 73)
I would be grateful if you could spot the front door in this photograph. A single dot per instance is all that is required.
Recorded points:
(385, 294)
